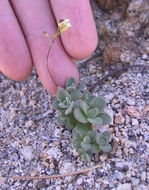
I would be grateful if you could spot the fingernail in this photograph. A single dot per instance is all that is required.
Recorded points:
(80, 60)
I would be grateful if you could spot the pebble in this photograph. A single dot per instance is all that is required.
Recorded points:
(132, 111)
(131, 102)
(103, 157)
(29, 124)
(79, 181)
(27, 153)
(143, 176)
(66, 168)
(142, 187)
(92, 69)
(125, 186)
(135, 181)
(2, 180)
(119, 165)
(135, 121)
(119, 119)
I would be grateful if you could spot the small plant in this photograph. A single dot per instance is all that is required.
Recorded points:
(81, 112)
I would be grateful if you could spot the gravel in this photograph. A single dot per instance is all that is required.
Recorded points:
(32, 144)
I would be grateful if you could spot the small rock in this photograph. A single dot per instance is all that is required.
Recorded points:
(58, 187)
(132, 111)
(135, 181)
(131, 102)
(79, 181)
(92, 69)
(29, 124)
(103, 157)
(125, 186)
(2, 180)
(135, 121)
(27, 153)
(119, 119)
(119, 165)
(141, 187)
(66, 167)
(143, 176)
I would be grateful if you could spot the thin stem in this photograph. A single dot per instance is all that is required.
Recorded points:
(47, 58)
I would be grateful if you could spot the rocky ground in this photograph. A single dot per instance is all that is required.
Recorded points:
(32, 144)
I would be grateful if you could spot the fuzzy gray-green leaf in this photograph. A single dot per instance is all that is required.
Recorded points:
(106, 148)
(81, 87)
(92, 135)
(87, 139)
(75, 95)
(69, 109)
(71, 83)
(84, 107)
(77, 142)
(60, 122)
(62, 94)
(56, 106)
(95, 121)
(95, 148)
(92, 113)
(106, 119)
(86, 157)
(85, 146)
(82, 129)
(71, 122)
(87, 96)
(97, 102)
(80, 116)
(103, 139)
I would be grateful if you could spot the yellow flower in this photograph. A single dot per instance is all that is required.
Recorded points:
(64, 25)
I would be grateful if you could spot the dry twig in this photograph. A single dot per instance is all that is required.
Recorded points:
(85, 171)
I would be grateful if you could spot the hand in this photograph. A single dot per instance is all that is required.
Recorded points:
(22, 43)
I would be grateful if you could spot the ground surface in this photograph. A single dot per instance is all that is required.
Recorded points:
(32, 144)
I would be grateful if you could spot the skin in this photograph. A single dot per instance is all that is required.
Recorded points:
(23, 45)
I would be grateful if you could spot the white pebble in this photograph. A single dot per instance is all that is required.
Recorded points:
(27, 153)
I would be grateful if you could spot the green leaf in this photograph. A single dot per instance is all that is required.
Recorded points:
(80, 116)
(97, 102)
(81, 87)
(76, 142)
(80, 151)
(56, 106)
(62, 94)
(60, 122)
(95, 121)
(95, 148)
(82, 129)
(70, 108)
(87, 96)
(75, 95)
(77, 103)
(85, 146)
(71, 83)
(92, 135)
(103, 139)
(84, 107)
(106, 148)
(87, 139)
(75, 132)
(86, 157)
(71, 122)
(106, 119)
(92, 113)
(63, 117)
